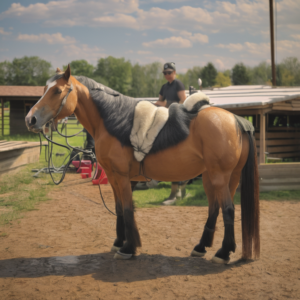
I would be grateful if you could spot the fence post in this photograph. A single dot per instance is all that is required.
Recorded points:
(2, 112)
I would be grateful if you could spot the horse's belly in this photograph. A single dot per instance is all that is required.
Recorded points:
(174, 165)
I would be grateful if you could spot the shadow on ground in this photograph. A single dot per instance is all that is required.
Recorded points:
(103, 267)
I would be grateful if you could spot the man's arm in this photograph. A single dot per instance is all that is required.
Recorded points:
(161, 101)
(182, 96)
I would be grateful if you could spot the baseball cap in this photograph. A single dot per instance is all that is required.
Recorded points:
(169, 66)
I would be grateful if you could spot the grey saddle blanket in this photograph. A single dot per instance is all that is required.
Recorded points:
(149, 120)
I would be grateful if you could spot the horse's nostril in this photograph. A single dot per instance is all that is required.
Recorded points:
(33, 121)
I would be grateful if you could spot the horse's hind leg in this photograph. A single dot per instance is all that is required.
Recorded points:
(228, 245)
(213, 212)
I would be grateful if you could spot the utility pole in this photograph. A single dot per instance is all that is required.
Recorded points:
(272, 43)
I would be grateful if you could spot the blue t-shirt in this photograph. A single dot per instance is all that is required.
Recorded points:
(169, 91)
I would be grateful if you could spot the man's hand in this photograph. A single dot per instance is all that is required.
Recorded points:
(161, 103)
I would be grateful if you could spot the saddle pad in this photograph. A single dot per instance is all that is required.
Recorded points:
(148, 122)
(195, 98)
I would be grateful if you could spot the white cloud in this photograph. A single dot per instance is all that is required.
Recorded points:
(55, 38)
(251, 16)
(144, 52)
(69, 12)
(80, 51)
(117, 20)
(172, 42)
(295, 36)
(198, 37)
(231, 47)
(283, 48)
(3, 32)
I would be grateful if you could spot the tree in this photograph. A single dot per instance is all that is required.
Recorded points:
(3, 72)
(260, 74)
(116, 72)
(190, 78)
(81, 67)
(288, 72)
(28, 71)
(240, 75)
(208, 75)
(222, 80)
(154, 79)
(138, 85)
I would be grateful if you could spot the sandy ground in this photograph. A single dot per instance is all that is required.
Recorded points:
(62, 251)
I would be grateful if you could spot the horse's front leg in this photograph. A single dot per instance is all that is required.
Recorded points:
(120, 226)
(122, 188)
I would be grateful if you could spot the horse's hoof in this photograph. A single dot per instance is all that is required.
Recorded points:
(198, 254)
(219, 260)
(120, 255)
(115, 249)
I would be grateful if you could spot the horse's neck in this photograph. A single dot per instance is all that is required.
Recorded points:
(86, 110)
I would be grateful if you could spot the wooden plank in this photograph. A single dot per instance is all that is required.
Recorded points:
(26, 145)
(285, 187)
(15, 153)
(291, 129)
(287, 155)
(7, 145)
(282, 149)
(282, 135)
(262, 138)
(21, 160)
(274, 181)
(283, 142)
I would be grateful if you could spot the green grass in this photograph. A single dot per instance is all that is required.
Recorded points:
(21, 192)
(197, 197)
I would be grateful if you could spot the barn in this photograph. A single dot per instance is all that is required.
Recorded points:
(16, 102)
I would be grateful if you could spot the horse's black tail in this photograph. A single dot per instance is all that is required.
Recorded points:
(250, 203)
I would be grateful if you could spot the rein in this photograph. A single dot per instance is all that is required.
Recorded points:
(63, 168)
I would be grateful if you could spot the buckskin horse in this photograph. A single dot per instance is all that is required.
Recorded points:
(212, 142)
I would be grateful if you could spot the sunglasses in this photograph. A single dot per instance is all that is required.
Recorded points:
(168, 72)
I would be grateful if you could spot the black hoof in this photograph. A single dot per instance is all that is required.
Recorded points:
(118, 243)
(127, 249)
(222, 255)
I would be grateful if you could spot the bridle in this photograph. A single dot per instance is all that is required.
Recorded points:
(62, 169)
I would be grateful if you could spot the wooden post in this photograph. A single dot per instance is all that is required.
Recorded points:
(272, 43)
(2, 111)
(262, 137)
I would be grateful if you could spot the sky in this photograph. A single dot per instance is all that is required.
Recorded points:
(187, 32)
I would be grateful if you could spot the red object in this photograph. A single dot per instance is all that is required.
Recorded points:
(86, 172)
(83, 164)
(101, 177)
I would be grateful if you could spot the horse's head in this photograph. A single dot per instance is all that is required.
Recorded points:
(58, 101)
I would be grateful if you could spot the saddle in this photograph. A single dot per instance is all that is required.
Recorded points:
(149, 120)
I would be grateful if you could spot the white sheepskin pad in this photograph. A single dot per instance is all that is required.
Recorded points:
(148, 122)
(191, 100)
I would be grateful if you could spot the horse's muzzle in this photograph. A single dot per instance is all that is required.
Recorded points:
(32, 124)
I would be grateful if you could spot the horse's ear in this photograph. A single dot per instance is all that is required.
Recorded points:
(58, 70)
(67, 73)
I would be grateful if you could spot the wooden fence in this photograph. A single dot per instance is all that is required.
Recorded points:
(280, 176)
(282, 143)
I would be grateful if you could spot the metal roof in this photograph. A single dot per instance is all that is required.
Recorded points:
(247, 95)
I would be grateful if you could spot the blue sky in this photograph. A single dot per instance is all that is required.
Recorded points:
(190, 33)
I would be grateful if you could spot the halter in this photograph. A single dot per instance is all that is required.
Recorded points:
(50, 140)
(64, 100)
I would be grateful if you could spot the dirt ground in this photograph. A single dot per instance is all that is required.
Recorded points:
(62, 251)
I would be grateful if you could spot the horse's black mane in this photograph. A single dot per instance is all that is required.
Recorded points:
(117, 112)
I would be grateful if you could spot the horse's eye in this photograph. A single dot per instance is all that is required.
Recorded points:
(58, 91)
